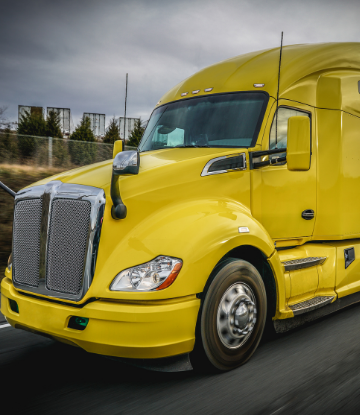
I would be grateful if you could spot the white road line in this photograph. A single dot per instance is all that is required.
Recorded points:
(4, 325)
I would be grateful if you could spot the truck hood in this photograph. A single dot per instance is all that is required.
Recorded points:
(177, 168)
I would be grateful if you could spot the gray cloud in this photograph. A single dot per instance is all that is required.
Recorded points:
(75, 53)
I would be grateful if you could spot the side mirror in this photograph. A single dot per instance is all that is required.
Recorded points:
(118, 147)
(126, 162)
(298, 143)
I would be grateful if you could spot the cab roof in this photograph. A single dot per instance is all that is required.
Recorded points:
(301, 67)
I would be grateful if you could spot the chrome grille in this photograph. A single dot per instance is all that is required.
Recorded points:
(68, 237)
(26, 241)
(56, 238)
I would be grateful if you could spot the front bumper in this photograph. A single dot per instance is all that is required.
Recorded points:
(140, 330)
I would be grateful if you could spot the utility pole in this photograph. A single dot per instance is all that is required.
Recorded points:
(125, 105)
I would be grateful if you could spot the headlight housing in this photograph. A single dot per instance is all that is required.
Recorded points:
(153, 275)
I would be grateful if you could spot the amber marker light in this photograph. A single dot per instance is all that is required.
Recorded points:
(196, 91)
(259, 85)
(172, 277)
(208, 89)
(184, 94)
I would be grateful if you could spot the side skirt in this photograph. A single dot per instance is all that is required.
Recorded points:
(281, 326)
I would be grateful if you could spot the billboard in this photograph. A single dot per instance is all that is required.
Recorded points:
(64, 116)
(129, 126)
(97, 123)
(28, 108)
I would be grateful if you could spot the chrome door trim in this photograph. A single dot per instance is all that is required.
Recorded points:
(206, 172)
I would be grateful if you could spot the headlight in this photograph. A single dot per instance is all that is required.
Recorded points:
(154, 275)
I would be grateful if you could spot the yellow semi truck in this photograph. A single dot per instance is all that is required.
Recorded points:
(237, 209)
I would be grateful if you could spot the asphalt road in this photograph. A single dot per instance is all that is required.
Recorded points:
(313, 370)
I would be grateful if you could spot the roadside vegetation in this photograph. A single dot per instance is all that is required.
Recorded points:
(16, 177)
(136, 134)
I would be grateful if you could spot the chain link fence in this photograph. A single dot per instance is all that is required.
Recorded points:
(26, 159)
(51, 152)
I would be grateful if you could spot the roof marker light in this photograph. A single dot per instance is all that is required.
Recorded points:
(208, 89)
(184, 94)
(196, 91)
(259, 85)
(158, 103)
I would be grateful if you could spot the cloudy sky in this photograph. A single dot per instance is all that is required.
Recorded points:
(75, 53)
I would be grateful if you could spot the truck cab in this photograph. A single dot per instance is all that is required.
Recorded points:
(237, 210)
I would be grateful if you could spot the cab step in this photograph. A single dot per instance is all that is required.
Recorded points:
(302, 263)
(282, 326)
(310, 305)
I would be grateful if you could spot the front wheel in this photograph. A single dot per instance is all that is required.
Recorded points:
(232, 317)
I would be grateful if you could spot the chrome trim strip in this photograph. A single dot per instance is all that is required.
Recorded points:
(206, 172)
(58, 190)
(303, 263)
(309, 305)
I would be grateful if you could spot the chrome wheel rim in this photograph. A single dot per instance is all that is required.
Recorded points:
(236, 316)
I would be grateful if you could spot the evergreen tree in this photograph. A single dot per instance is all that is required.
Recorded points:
(82, 152)
(83, 131)
(136, 134)
(60, 153)
(8, 145)
(53, 125)
(112, 132)
(30, 125)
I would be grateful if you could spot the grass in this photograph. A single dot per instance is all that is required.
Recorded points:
(16, 177)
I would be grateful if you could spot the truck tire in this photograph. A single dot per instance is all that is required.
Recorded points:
(232, 317)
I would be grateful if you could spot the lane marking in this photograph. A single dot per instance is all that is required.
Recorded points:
(5, 325)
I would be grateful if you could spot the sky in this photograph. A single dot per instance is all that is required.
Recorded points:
(76, 53)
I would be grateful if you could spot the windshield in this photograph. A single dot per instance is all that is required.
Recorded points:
(223, 120)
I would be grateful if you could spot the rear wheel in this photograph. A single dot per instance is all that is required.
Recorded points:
(232, 317)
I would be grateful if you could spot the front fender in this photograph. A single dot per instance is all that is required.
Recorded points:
(200, 232)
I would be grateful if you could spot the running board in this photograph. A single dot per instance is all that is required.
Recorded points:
(302, 263)
(310, 305)
(291, 323)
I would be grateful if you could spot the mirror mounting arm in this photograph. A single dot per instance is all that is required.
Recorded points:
(7, 189)
(118, 210)
(125, 163)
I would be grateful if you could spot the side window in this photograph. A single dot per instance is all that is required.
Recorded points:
(283, 115)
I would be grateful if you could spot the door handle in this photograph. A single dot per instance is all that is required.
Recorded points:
(308, 214)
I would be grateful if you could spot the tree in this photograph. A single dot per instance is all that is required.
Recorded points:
(112, 133)
(3, 119)
(136, 134)
(8, 145)
(53, 125)
(30, 125)
(82, 145)
(60, 153)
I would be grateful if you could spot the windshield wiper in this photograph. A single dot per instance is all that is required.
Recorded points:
(192, 146)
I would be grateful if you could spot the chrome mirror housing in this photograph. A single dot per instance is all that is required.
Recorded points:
(126, 162)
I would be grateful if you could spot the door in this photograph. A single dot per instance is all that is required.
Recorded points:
(279, 196)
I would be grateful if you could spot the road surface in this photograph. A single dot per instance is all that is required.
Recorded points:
(312, 370)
